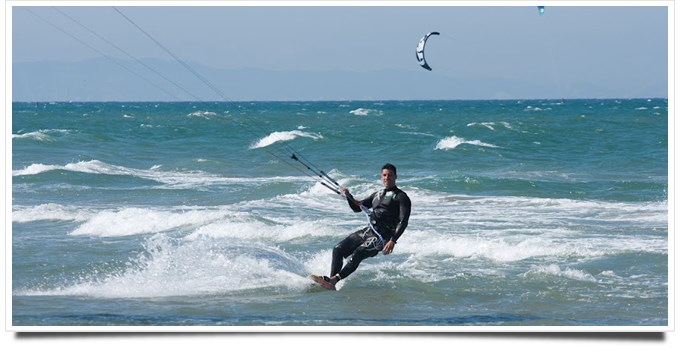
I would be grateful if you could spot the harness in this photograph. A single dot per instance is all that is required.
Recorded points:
(368, 212)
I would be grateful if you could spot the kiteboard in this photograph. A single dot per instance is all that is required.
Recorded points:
(319, 280)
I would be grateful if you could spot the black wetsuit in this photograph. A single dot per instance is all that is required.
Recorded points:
(391, 210)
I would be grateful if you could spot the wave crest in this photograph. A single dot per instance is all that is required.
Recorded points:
(366, 112)
(283, 136)
(452, 142)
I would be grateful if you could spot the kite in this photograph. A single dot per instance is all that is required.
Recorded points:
(420, 51)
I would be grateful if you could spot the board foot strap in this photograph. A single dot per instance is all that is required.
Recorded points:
(319, 280)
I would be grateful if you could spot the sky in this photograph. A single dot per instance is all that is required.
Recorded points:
(622, 51)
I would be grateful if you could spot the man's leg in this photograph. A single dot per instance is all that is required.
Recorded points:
(369, 248)
(344, 249)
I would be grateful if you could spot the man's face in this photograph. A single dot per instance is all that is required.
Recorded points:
(389, 178)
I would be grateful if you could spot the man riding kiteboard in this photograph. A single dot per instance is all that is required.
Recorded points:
(387, 222)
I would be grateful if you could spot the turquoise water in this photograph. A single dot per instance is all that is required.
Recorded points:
(525, 213)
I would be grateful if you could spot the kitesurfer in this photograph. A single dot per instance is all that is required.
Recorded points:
(391, 210)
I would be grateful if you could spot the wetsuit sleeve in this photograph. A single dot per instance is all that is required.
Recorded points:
(404, 214)
(367, 202)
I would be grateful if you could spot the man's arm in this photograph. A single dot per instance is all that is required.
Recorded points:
(404, 214)
(353, 204)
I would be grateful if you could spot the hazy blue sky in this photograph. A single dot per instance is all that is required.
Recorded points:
(619, 47)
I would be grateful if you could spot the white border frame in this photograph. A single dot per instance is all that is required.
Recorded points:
(8, 175)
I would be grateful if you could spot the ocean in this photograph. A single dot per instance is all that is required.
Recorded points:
(551, 214)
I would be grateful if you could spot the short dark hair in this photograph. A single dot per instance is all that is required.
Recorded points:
(390, 167)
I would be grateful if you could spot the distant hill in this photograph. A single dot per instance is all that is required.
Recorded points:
(104, 80)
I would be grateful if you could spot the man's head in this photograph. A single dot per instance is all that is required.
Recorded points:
(389, 175)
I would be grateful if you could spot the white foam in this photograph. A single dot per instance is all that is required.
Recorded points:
(133, 221)
(491, 125)
(488, 125)
(90, 167)
(264, 231)
(494, 247)
(556, 270)
(532, 108)
(366, 112)
(202, 114)
(417, 133)
(283, 136)
(170, 268)
(235, 221)
(510, 229)
(40, 135)
(34, 169)
(49, 212)
(452, 142)
(175, 179)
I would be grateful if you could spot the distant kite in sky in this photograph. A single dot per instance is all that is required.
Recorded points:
(541, 10)
(420, 51)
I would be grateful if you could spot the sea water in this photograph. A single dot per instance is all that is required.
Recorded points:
(525, 213)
